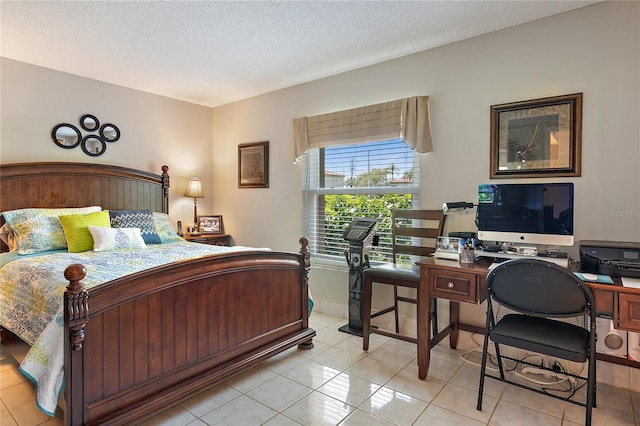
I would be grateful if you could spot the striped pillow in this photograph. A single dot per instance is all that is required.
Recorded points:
(142, 219)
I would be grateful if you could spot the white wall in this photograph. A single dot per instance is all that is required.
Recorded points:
(595, 50)
(155, 130)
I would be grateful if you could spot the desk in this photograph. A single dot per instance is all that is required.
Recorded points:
(461, 282)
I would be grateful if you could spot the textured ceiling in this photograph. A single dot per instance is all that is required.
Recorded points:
(216, 52)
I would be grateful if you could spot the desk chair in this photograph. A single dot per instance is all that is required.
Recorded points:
(414, 233)
(540, 292)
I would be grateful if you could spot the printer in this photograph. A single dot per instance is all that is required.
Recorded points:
(614, 258)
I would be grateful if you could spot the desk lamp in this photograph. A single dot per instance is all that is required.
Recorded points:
(456, 205)
(194, 190)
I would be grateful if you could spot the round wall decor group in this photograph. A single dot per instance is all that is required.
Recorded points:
(68, 136)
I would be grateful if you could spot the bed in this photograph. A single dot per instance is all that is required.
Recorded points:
(139, 343)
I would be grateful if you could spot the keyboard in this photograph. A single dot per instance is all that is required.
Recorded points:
(564, 262)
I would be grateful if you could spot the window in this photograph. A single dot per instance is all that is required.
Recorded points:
(360, 162)
(363, 180)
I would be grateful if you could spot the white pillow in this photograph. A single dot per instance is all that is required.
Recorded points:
(106, 239)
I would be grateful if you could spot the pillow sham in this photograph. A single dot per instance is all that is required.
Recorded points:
(142, 219)
(37, 230)
(165, 229)
(76, 229)
(107, 239)
(8, 237)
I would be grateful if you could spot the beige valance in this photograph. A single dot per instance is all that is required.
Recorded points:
(406, 119)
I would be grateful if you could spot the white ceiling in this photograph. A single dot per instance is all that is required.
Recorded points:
(216, 52)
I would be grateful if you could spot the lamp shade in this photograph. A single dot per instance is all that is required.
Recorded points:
(194, 189)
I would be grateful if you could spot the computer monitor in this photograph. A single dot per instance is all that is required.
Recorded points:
(528, 213)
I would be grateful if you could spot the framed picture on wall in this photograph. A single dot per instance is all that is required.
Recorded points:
(210, 224)
(253, 165)
(537, 138)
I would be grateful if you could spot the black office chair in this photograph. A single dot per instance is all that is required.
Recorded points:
(540, 292)
(414, 233)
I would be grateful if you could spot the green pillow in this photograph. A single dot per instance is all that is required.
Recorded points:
(76, 229)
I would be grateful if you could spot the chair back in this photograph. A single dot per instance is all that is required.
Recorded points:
(539, 288)
(415, 232)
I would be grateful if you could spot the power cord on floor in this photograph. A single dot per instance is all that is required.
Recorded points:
(493, 358)
(572, 388)
(558, 371)
(532, 370)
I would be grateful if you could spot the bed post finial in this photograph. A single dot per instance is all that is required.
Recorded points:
(76, 305)
(304, 244)
(304, 250)
(165, 188)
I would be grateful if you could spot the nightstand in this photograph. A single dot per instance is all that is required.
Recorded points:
(211, 239)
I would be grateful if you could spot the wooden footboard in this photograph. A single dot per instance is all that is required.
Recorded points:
(141, 343)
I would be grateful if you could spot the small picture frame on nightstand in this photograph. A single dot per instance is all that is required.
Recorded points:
(210, 224)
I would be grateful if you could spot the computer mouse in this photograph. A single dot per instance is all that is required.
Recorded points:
(590, 277)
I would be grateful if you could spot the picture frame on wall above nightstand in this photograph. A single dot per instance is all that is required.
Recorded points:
(211, 224)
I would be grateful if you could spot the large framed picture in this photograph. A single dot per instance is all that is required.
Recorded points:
(253, 165)
(537, 138)
(210, 224)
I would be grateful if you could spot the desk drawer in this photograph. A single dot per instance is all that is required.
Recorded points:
(457, 286)
(629, 315)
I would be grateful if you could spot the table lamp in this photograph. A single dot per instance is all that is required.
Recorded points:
(194, 189)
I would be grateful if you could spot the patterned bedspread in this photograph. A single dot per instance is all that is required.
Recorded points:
(31, 290)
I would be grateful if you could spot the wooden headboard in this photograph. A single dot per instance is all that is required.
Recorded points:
(59, 184)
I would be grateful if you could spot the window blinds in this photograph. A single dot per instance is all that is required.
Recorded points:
(364, 180)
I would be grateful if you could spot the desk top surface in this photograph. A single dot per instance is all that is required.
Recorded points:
(481, 267)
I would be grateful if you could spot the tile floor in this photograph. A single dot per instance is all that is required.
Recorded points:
(336, 383)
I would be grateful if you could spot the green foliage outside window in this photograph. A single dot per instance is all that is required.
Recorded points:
(341, 209)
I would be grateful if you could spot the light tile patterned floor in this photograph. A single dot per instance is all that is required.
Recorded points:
(336, 383)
